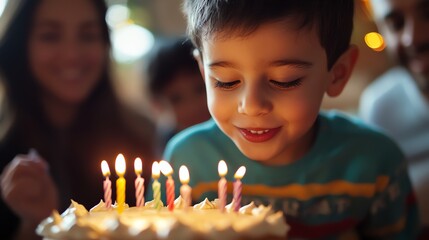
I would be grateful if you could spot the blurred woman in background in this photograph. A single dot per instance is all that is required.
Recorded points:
(59, 101)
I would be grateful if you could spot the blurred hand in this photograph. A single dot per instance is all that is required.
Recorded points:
(28, 189)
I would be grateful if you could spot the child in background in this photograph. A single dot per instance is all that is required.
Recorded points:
(176, 88)
(267, 66)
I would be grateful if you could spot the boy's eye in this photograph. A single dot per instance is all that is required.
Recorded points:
(287, 85)
(226, 85)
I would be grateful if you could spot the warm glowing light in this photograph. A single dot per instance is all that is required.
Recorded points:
(138, 166)
(120, 165)
(184, 174)
(375, 41)
(222, 168)
(105, 168)
(240, 172)
(165, 168)
(155, 170)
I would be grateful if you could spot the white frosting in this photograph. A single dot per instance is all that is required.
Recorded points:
(203, 221)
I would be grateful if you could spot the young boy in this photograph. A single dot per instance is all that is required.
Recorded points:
(267, 65)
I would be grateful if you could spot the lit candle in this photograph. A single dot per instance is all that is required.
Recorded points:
(223, 170)
(139, 183)
(168, 171)
(120, 183)
(237, 188)
(156, 186)
(185, 189)
(107, 184)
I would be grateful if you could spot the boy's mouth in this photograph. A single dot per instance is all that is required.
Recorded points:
(258, 134)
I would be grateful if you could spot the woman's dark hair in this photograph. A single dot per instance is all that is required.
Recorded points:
(333, 19)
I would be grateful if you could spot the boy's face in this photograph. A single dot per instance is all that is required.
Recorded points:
(405, 25)
(265, 90)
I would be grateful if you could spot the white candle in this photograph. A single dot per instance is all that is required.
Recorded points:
(185, 189)
(107, 184)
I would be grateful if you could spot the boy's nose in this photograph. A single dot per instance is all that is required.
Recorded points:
(254, 102)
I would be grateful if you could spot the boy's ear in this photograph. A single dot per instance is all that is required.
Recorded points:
(197, 55)
(341, 71)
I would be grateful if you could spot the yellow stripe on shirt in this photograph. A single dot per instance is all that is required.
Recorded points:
(301, 192)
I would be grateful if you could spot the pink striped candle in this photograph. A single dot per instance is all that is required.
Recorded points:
(168, 171)
(237, 188)
(139, 183)
(107, 184)
(222, 187)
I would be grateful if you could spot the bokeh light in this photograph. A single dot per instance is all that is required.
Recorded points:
(2, 6)
(375, 41)
(130, 42)
(117, 14)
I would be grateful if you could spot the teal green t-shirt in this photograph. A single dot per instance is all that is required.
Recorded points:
(353, 180)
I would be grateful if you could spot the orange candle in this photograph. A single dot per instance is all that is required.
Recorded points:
(168, 171)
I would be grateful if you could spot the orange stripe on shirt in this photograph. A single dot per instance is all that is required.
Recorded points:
(301, 192)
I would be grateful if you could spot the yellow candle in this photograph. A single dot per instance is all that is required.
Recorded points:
(120, 183)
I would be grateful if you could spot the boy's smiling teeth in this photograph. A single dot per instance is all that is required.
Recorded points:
(259, 131)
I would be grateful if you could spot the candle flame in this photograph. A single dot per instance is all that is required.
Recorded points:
(240, 172)
(155, 170)
(222, 168)
(120, 165)
(138, 166)
(184, 174)
(165, 168)
(105, 168)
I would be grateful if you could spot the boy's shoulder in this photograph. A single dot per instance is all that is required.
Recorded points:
(341, 125)
(352, 132)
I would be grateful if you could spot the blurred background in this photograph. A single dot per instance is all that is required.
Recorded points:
(137, 25)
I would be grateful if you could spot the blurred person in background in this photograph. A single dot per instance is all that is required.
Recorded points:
(59, 102)
(176, 87)
(398, 101)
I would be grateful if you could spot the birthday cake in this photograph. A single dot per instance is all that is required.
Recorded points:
(201, 221)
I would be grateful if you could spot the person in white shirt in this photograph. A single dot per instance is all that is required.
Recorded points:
(398, 101)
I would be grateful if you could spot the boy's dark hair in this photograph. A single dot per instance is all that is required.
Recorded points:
(333, 19)
(170, 58)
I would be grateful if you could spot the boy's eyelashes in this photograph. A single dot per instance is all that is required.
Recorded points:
(226, 85)
(287, 85)
(277, 84)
